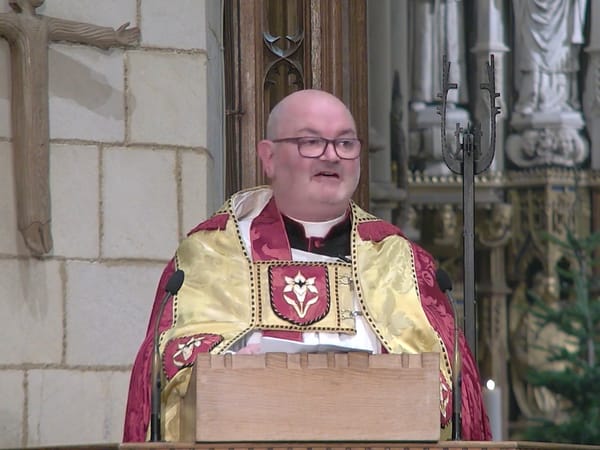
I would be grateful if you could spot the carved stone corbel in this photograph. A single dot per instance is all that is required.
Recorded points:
(495, 230)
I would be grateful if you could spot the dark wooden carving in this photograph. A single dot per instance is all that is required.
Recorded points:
(274, 48)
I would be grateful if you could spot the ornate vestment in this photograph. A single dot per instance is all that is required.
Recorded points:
(238, 281)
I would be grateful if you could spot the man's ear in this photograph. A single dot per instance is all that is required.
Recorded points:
(265, 153)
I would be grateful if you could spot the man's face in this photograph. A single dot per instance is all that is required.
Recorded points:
(311, 189)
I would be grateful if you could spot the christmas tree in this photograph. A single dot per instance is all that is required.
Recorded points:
(577, 317)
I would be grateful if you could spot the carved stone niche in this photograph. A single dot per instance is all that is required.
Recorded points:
(547, 201)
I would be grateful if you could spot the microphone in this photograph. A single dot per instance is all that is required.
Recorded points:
(445, 284)
(171, 288)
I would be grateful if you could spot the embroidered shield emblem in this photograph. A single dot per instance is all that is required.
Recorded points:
(181, 352)
(299, 293)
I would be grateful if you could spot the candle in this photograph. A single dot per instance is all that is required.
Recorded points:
(492, 398)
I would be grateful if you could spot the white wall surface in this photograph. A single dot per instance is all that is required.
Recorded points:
(129, 176)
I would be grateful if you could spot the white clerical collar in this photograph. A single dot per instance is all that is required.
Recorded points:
(318, 229)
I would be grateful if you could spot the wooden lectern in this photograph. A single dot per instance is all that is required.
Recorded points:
(352, 396)
(332, 401)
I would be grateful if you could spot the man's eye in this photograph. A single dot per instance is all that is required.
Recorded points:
(347, 143)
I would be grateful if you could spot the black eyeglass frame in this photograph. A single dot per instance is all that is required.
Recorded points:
(298, 140)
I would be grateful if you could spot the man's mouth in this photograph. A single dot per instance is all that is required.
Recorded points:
(327, 174)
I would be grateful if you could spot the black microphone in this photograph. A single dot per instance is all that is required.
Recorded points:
(445, 284)
(172, 287)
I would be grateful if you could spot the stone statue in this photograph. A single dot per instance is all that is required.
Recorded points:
(547, 119)
(561, 146)
(529, 344)
(548, 37)
(447, 232)
(28, 35)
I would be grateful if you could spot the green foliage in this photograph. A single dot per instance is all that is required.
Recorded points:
(579, 318)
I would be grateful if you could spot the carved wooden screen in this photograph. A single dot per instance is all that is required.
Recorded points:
(275, 47)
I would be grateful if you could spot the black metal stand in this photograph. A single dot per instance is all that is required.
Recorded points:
(468, 161)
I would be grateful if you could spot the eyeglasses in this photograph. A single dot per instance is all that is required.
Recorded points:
(314, 147)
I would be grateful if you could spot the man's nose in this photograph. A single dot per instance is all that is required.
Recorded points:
(330, 151)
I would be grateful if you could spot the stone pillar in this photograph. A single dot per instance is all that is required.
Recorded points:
(436, 29)
(491, 41)
(591, 97)
(384, 194)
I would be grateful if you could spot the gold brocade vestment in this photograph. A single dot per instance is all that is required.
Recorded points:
(226, 295)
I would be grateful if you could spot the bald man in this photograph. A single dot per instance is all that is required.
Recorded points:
(290, 235)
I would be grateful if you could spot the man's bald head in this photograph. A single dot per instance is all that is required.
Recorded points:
(292, 105)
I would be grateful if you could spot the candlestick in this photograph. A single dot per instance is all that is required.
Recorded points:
(492, 398)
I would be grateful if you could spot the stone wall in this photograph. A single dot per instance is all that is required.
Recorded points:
(132, 168)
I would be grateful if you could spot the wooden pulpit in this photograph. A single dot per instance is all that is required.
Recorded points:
(352, 396)
(321, 401)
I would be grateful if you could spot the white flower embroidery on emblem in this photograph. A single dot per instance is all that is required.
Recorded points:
(186, 350)
(300, 286)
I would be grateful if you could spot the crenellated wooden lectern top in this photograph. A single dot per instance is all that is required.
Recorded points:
(352, 396)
